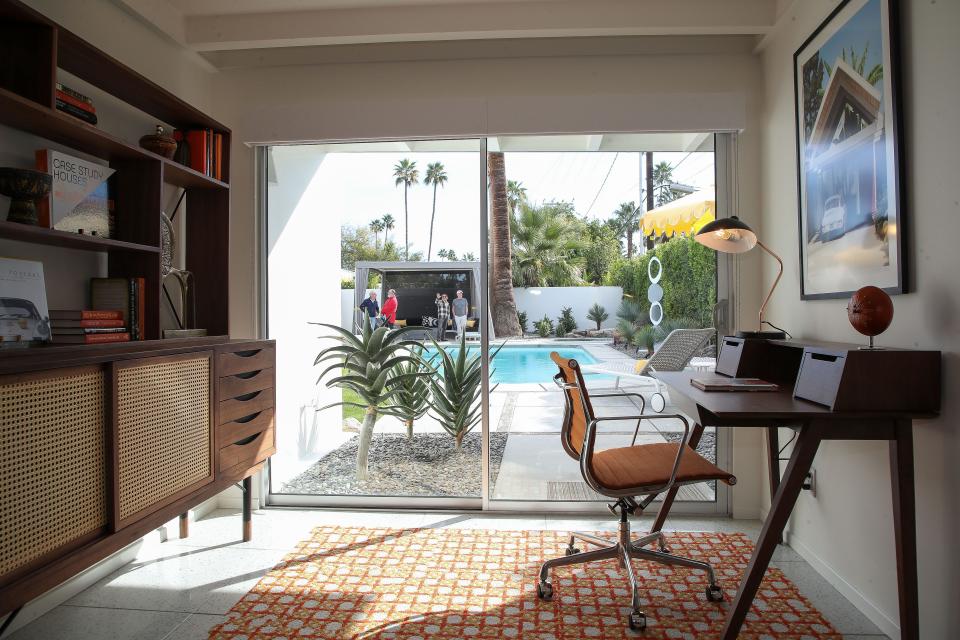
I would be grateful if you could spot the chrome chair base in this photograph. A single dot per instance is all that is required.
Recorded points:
(623, 550)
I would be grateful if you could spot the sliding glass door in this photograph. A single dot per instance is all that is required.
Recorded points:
(583, 245)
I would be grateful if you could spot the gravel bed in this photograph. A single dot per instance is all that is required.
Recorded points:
(427, 465)
(707, 447)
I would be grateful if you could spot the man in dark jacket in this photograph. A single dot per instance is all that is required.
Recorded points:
(371, 307)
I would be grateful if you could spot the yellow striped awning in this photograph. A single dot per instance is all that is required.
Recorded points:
(684, 215)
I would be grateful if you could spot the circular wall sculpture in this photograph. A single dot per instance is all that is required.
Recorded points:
(655, 291)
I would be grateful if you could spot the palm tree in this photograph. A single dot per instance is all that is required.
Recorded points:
(662, 178)
(469, 256)
(503, 306)
(377, 226)
(437, 177)
(406, 173)
(516, 194)
(442, 254)
(626, 219)
(545, 248)
(388, 224)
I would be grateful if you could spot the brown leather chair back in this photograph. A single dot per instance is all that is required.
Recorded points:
(578, 411)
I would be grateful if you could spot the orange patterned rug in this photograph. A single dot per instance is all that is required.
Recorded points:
(444, 584)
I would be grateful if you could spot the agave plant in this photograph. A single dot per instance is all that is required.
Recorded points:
(455, 391)
(412, 396)
(368, 367)
(647, 336)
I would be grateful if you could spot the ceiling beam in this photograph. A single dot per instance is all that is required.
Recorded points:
(477, 20)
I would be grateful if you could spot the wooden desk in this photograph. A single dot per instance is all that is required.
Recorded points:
(814, 423)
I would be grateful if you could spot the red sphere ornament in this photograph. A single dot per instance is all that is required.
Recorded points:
(870, 311)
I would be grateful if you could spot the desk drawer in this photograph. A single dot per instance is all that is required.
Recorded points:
(245, 405)
(248, 451)
(230, 432)
(230, 363)
(245, 383)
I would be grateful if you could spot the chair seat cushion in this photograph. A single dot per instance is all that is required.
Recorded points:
(650, 465)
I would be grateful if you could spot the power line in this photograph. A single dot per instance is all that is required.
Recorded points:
(602, 184)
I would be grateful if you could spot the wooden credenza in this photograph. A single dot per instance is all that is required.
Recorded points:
(101, 444)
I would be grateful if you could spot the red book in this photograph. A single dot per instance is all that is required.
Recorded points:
(93, 338)
(218, 155)
(79, 104)
(197, 140)
(86, 324)
(85, 314)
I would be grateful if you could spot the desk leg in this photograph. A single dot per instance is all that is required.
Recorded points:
(905, 528)
(773, 465)
(672, 493)
(247, 509)
(808, 441)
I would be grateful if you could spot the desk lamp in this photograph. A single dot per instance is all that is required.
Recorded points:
(732, 235)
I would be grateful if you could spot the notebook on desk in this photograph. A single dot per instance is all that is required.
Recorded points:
(722, 383)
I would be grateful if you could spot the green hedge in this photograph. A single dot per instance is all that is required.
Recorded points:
(689, 280)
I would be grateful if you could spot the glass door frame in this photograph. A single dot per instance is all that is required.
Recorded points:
(725, 166)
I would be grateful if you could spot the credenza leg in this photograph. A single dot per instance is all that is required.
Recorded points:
(808, 440)
(905, 528)
(184, 524)
(672, 493)
(773, 465)
(247, 509)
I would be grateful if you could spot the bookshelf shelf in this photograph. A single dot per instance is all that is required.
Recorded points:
(42, 235)
(26, 115)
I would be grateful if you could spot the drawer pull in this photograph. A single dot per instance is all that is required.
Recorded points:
(731, 343)
(247, 354)
(248, 440)
(826, 357)
(247, 375)
(249, 418)
(248, 396)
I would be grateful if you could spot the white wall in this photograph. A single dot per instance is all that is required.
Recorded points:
(847, 530)
(540, 301)
(348, 316)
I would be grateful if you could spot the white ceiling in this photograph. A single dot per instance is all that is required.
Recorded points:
(222, 30)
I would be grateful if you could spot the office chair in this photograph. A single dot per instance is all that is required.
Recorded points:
(625, 473)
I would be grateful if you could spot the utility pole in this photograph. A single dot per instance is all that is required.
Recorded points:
(649, 171)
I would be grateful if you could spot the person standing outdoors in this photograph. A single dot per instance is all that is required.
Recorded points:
(390, 309)
(443, 316)
(371, 307)
(461, 309)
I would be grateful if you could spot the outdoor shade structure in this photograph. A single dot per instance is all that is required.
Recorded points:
(684, 216)
(417, 284)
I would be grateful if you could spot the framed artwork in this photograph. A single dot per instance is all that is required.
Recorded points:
(849, 166)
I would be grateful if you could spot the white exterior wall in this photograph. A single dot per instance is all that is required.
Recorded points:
(540, 301)
(536, 302)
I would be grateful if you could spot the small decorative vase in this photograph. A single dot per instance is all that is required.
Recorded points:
(24, 187)
(160, 144)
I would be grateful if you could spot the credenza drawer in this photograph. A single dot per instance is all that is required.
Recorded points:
(236, 430)
(244, 383)
(245, 405)
(248, 451)
(230, 363)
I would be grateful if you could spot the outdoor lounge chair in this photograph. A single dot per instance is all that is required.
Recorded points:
(674, 354)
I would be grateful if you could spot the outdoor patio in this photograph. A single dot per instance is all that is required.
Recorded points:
(526, 458)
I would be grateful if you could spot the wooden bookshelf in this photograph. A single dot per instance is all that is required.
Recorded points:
(32, 51)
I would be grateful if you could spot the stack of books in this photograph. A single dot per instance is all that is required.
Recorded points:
(201, 150)
(126, 294)
(76, 104)
(88, 326)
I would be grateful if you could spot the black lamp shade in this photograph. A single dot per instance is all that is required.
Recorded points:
(728, 235)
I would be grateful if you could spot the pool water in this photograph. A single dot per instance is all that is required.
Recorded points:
(517, 365)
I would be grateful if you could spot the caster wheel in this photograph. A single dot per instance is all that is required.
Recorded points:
(571, 551)
(637, 621)
(657, 402)
(545, 591)
(714, 593)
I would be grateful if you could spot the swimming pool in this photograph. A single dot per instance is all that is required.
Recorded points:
(516, 365)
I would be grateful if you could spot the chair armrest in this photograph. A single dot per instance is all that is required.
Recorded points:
(680, 449)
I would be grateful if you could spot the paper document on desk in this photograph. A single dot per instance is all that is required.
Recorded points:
(722, 383)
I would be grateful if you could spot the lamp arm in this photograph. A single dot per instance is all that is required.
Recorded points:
(776, 281)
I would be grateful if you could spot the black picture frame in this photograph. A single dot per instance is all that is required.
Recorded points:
(851, 204)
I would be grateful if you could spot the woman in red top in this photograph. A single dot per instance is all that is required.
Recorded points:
(389, 309)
